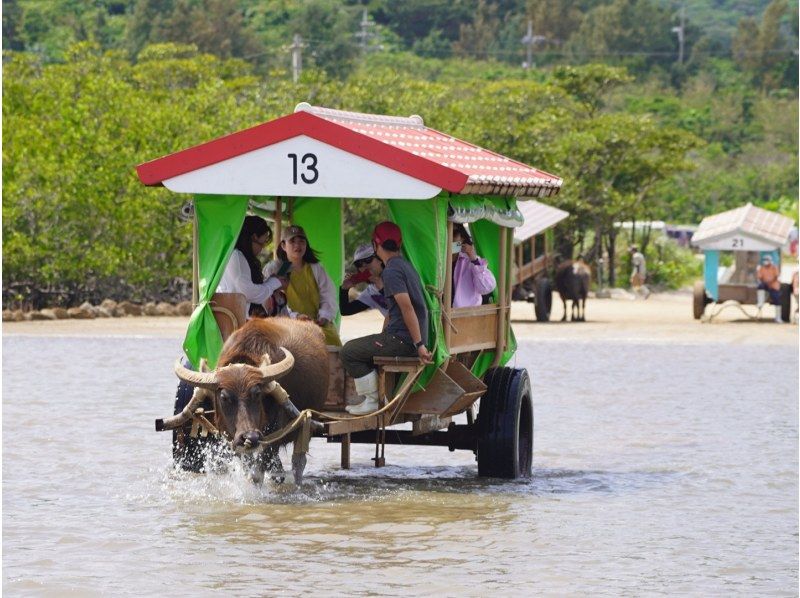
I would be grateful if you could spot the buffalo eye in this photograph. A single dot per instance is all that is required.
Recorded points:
(255, 393)
(226, 397)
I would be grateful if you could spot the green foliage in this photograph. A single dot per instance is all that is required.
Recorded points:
(76, 219)
(671, 266)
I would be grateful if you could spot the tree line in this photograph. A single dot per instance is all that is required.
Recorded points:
(635, 136)
(759, 37)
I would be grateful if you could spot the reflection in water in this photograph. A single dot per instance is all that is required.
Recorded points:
(656, 469)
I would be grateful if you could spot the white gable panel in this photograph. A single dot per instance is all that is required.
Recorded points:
(737, 241)
(301, 167)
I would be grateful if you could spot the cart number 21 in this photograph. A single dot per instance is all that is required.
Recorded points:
(309, 161)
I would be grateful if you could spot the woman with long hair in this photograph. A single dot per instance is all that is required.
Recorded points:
(243, 272)
(310, 294)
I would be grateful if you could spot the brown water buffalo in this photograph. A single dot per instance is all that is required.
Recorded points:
(572, 283)
(248, 401)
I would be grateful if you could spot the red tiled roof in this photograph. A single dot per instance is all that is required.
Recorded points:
(403, 144)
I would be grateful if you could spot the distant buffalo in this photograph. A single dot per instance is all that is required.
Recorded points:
(572, 283)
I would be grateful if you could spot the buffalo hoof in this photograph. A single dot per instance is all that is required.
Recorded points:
(298, 466)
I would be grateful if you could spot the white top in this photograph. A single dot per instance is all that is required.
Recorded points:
(370, 297)
(328, 297)
(237, 279)
(638, 263)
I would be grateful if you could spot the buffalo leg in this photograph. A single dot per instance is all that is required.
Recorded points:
(271, 464)
(298, 466)
(564, 302)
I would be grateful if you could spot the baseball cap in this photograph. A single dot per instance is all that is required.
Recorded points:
(387, 231)
(363, 252)
(293, 231)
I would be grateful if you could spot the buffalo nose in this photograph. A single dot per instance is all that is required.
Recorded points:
(251, 439)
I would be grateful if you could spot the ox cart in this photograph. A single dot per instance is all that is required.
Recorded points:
(534, 259)
(749, 233)
(299, 169)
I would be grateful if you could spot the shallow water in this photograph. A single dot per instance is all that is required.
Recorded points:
(658, 469)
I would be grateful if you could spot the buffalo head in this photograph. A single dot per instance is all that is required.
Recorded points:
(239, 391)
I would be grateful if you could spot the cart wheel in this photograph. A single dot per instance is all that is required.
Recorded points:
(188, 453)
(505, 425)
(700, 300)
(544, 300)
(786, 302)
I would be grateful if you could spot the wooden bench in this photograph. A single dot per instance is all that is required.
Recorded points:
(230, 312)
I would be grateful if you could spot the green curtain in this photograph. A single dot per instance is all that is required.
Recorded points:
(487, 243)
(219, 220)
(424, 226)
(322, 220)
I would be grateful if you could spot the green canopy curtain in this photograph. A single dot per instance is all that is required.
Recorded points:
(322, 220)
(219, 219)
(487, 243)
(424, 227)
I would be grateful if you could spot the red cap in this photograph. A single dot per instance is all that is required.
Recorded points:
(387, 231)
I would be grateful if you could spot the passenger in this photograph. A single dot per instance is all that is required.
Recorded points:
(769, 282)
(310, 294)
(471, 278)
(406, 330)
(243, 271)
(368, 269)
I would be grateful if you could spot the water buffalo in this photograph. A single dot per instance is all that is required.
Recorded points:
(572, 283)
(248, 401)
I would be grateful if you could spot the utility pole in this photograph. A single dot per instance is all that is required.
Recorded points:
(529, 41)
(680, 29)
(297, 56)
(364, 35)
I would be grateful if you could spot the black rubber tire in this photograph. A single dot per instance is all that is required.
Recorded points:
(505, 425)
(786, 302)
(699, 300)
(544, 300)
(188, 453)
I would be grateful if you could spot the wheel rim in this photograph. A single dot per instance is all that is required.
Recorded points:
(525, 437)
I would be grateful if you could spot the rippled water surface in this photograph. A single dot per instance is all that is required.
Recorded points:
(658, 469)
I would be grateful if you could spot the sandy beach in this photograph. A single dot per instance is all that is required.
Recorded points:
(665, 317)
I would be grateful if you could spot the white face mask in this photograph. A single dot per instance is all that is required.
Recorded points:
(455, 248)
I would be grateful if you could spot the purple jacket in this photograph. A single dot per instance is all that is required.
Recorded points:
(470, 281)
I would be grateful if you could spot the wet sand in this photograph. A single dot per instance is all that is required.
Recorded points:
(663, 318)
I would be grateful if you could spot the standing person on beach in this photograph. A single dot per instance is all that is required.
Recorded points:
(406, 331)
(638, 271)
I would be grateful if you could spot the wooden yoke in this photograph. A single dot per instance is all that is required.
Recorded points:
(230, 312)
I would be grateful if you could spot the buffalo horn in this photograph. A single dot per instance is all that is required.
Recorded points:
(276, 370)
(206, 380)
(185, 415)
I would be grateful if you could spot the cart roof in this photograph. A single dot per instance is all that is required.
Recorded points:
(320, 152)
(538, 217)
(747, 228)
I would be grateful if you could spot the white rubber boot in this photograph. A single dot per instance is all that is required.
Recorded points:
(778, 314)
(761, 295)
(367, 387)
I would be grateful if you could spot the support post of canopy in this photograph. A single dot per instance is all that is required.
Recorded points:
(278, 225)
(501, 300)
(195, 261)
(447, 300)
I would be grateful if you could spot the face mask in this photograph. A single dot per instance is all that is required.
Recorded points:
(456, 248)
